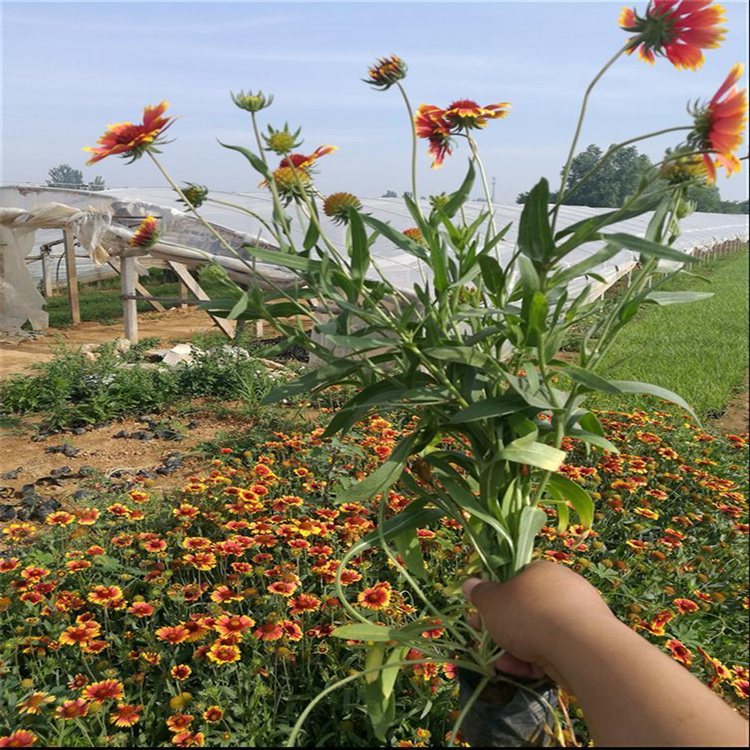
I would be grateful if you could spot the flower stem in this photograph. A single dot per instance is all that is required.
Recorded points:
(415, 194)
(579, 126)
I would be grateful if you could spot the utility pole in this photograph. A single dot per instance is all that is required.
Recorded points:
(494, 181)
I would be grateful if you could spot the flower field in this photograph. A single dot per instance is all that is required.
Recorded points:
(203, 615)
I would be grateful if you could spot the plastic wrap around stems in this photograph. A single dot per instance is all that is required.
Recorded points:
(506, 715)
(20, 300)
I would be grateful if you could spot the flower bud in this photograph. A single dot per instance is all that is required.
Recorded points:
(337, 206)
(251, 102)
(386, 72)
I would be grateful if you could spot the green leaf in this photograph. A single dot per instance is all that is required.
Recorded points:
(396, 237)
(458, 198)
(531, 522)
(677, 298)
(311, 236)
(239, 308)
(537, 312)
(362, 632)
(592, 438)
(536, 454)
(462, 497)
(566, 490)
(410, 548)
(285, 260)
(633, 386)
(461, 354)
(579, 269)
(589, 379)
(325, 375)
(382, 478)
(258, 164)
(534, 231)
(360, 248)
(489, 408)
(648, 248)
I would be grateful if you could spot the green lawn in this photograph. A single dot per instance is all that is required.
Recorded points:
(698, 350)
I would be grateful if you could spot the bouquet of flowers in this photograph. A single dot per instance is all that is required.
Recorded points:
(469, 354)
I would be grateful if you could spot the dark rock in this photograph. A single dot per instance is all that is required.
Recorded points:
(147, 474)
(28, 489)
(121, 434)
(8, 512)
(69, 451)
(43, 509)
(79, 430)
(191, 425)
(86, 471)
(82, 494)
(12, 474)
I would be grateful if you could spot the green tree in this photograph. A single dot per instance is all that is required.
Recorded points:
(64, 176)
(389, 194)
(611, 184)
(97, 184)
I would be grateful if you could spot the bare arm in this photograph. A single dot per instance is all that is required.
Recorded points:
(632, 694)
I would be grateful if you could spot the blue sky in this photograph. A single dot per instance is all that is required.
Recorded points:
(69, 69)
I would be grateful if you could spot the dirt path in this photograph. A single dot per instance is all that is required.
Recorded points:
(736, 419)
(171, 327)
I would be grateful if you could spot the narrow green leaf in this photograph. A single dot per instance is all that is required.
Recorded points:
(677, 298)
(540, 455)
(633, 386)
(531, 522)
(564, 489)
(409, 547)
(534, 231)
(489, 408)
(257, 163)
(382, 478)
(461, 354)
(285, 260)
(396, 237)
(648, 248)
(458, 198)
(589, 379)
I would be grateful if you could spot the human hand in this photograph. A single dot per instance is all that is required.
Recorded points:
(532, 615)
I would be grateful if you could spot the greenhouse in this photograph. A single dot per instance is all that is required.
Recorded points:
(34, 222)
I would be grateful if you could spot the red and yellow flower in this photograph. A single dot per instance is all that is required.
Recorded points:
(126, 715)
(103, 691)
(147, 234)
(719, 125)
(20, 738)
(131, 140)
(676, 29)
(221, 653)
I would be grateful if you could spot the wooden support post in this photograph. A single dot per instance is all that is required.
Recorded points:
(227, 326)
(184, 293)
(46, 275)
(258, 329)
(128, 281)
(629, 278)
(72, 274)
(142, 290)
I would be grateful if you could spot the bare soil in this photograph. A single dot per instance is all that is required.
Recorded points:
(102, 452)
(170, 327)
(736, 419)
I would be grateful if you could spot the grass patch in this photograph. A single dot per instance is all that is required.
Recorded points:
(698, 350)
(100, 300)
